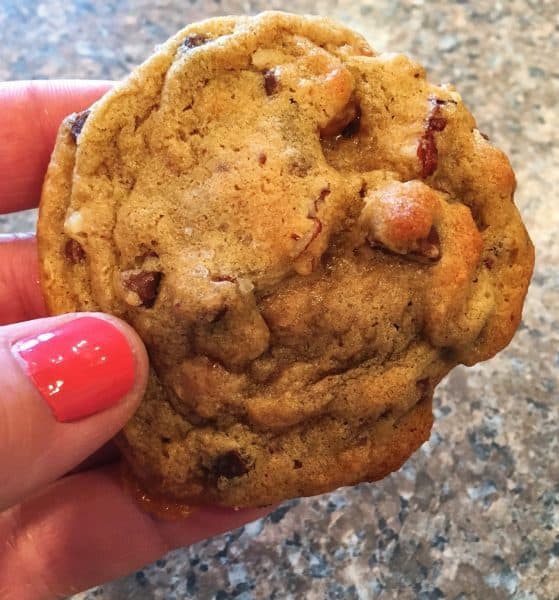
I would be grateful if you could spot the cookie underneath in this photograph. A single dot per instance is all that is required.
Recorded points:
(306, 234)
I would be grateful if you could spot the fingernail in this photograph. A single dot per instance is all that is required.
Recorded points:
(80, 368)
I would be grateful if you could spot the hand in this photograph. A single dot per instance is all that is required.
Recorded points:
(59, 532)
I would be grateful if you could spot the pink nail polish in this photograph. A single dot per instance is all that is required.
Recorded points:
(81, 367)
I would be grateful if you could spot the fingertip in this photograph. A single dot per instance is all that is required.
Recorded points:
(31, 112)
(83, 364)
(48, 94)
(207, 521)
(74, 522)
(70, 383)
(21, 298)
(137, 347)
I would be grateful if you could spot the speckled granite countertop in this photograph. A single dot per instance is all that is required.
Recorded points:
(475, 513)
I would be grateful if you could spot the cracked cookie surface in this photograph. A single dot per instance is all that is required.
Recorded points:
(306, 234)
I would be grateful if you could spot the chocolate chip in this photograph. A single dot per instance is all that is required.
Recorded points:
(489, 262)
(229, 465)
(145, 284)
(262, 158)
(297, 464)
(74, 252)
(427, 147)
(78, 123)
(194, 40)
(271, 82)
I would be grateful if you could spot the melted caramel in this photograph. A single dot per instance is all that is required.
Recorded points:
(158, 506)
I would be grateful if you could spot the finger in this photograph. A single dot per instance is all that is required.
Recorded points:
(69, 383)
(30, 113)
(83, 530)
(20, 293)
(106, 455)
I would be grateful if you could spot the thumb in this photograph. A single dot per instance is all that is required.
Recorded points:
(69, 383)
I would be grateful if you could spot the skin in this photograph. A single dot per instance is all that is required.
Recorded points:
(67, 524)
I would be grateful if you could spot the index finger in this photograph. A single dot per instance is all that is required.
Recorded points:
(30, 114)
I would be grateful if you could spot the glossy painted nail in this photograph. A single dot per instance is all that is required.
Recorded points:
(81, 367)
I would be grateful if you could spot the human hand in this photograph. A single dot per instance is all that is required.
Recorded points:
(69, 383)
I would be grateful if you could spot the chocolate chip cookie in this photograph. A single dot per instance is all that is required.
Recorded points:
(306, 234)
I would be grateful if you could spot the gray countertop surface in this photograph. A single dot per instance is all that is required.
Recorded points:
(475, 513)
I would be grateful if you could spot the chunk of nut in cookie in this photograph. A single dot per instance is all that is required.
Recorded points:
(74, 223)
(315, 79)
(345, 124)
(401, 217)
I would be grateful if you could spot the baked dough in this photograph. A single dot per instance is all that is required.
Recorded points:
(306, 234)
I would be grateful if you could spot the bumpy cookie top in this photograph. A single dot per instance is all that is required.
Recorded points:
(306, 234)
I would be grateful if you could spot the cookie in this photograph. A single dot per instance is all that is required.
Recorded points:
(306, 234)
